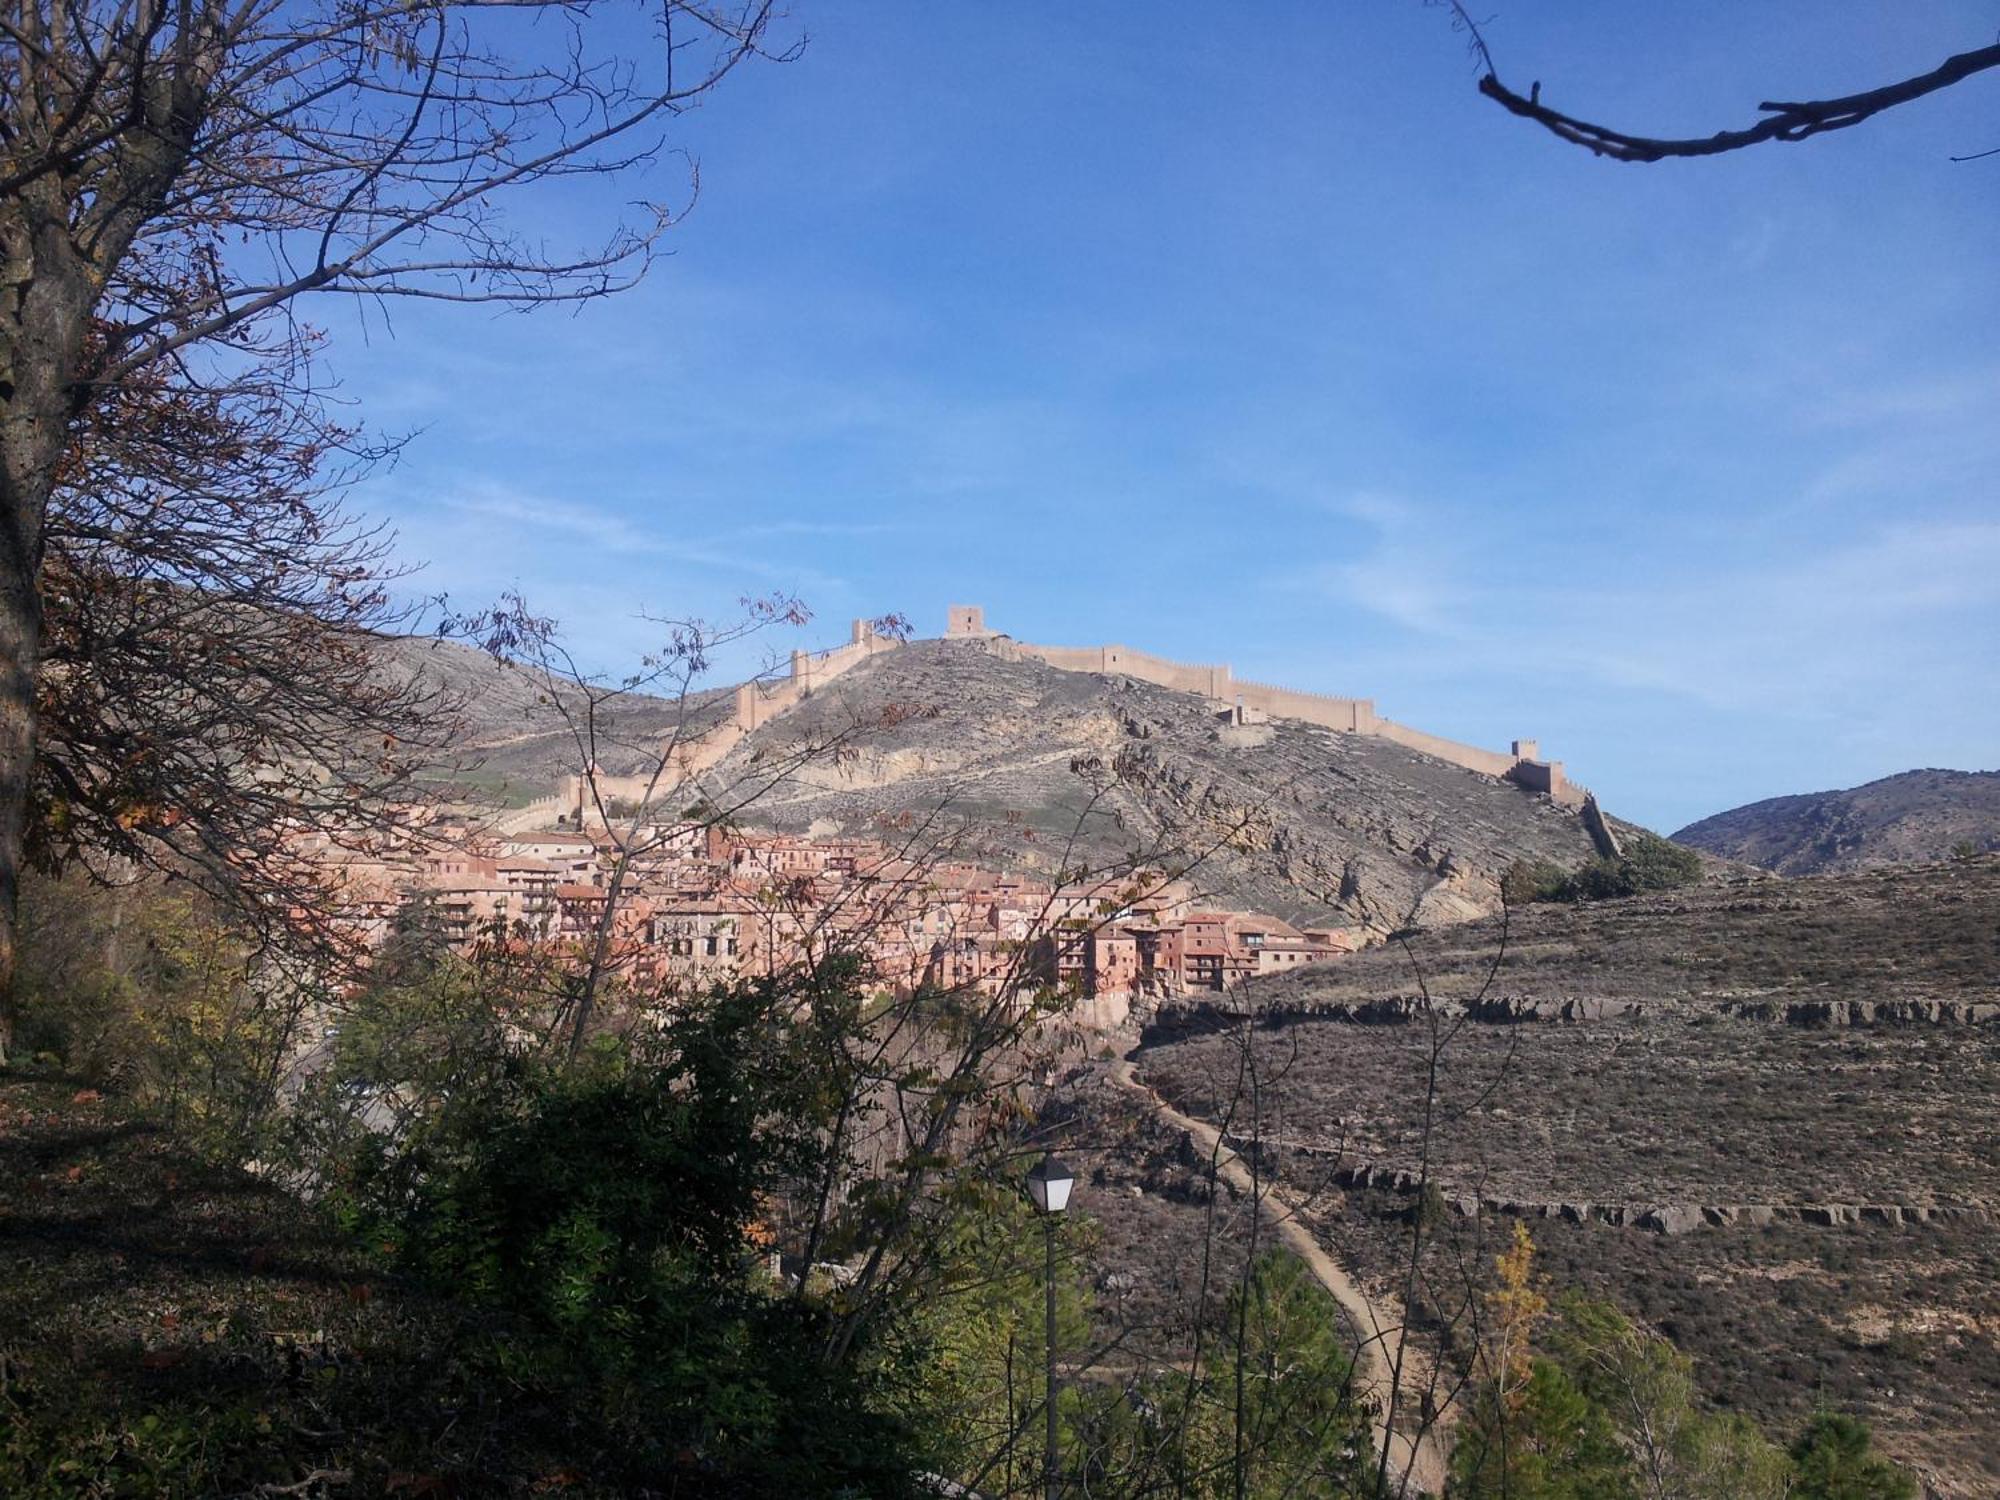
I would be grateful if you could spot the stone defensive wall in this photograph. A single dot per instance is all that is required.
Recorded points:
(1522, 764)
(758, 702)
(1351, 715)
(1184, 677)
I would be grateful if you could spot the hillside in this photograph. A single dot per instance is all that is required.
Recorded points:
(1918, 815)
(1049, 769)
(178, 1328)
(1908, 934)
(1756, 1113)
(515, 743)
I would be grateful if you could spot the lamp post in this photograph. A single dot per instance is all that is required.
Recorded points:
(1049, 1182)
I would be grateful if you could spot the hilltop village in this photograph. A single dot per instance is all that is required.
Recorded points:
(707, 904)
(694, 903)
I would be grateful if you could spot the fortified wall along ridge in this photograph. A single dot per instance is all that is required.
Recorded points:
(1256, 702)
(1246, 702)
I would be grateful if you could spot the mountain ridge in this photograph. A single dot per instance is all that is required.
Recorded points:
(1045, 766)
(1913, 816)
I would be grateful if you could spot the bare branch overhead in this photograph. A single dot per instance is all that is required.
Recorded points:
(1784, 121)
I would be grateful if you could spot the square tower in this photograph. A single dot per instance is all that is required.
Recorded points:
(965, 620)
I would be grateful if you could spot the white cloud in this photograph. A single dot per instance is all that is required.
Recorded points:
(1825, 629)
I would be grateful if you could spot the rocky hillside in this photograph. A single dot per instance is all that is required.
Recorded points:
(1053, 769)
(515, 741)
(1916, 944)
(1756, 1114)
(1918, 815)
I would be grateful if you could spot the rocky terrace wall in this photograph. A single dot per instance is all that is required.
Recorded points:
(1171, 1020)
(1654, 1218)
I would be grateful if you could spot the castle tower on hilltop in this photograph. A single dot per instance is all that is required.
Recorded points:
(966, 622)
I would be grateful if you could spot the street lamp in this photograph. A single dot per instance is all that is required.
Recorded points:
(1049, 1182)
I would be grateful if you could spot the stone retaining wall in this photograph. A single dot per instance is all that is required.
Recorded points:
(1175, 1018)
(1654, 1218)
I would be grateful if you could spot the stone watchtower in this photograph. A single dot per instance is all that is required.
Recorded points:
(966, 622)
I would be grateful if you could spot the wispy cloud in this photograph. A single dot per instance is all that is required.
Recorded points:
(614, 537)
(1824, 629)
(815, 529)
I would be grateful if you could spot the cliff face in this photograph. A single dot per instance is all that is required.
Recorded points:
(1916, 816)
(1050, 769)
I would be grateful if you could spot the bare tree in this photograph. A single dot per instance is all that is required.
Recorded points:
(173, 177)
(1440, 1030)
(664, 805)
(1783, 120)
(212, 702)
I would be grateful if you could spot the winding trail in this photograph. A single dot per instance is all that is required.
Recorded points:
(1378, 1323)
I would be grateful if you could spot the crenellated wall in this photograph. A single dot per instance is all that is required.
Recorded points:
(811, 669)
(1214, 681)
(1488, 762)
(757, 703)
(1350, 715)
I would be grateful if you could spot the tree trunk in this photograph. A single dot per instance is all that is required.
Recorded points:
(63, 233)
(46, 295)
(20, 654)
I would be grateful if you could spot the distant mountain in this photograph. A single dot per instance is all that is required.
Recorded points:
(1916, 816)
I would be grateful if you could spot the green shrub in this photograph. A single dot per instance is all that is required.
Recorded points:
(1658, 864)
(604, 1221)
(1578, 1402)
(1836, 1461)
(1531, 880)
(1649, 863)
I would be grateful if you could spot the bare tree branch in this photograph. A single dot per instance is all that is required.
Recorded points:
(1784, 121)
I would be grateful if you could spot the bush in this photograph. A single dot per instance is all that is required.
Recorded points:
(1836, 1461)
(1531, 880)
(144, 989)
(1578, 1402)
(1650, 863)
(603, 1221)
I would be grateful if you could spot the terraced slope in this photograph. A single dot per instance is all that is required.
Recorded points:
(1757, 1114)
(1914, 933)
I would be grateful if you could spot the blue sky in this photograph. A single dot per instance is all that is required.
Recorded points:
(1253, 334)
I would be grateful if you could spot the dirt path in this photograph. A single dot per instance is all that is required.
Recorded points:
(1377, 1322)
